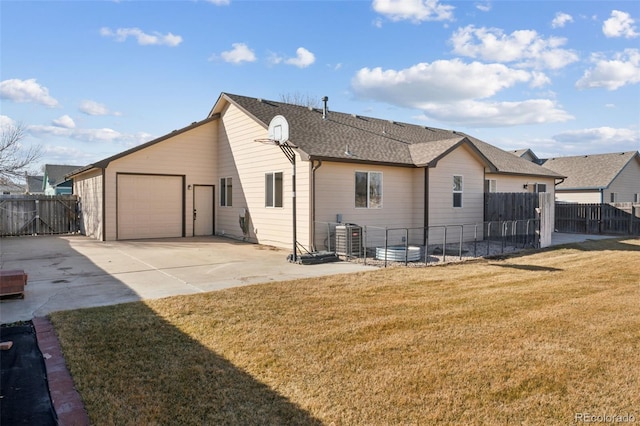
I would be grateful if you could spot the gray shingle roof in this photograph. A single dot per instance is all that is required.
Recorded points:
(354, 138)
(55, 173)
(34, 183)
(590, 171)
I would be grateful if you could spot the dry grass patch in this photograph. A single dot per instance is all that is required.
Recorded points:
(531, 339)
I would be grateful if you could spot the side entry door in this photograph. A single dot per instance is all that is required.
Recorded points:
(203, 209)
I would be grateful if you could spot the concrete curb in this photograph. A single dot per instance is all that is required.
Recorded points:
(66, 400)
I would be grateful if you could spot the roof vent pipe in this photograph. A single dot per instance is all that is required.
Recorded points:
(325, 99)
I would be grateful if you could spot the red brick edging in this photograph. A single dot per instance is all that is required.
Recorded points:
(66, 400)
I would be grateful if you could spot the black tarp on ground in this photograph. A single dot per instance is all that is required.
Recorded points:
(24, 392)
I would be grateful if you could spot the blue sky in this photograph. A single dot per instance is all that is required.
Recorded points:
(89, 79)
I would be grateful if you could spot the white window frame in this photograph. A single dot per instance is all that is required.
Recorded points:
(274, 190)
(368, 203)
(226, 196)
(460, 191)
(536, 188)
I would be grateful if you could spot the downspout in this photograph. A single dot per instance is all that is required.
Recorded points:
(426, 206)
(313, 202)
(104, 204)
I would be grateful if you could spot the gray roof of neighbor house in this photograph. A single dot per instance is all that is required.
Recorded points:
(9, 187)
(55, 173)
(590, 171)
(355, 138)
(34, 184)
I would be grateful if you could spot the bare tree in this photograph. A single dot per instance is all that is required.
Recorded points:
(301, 99)
(15, 159)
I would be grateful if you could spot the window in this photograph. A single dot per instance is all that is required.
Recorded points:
(540, 187)
(614, 197)
(457, 191)
(369, 190)
(273, 189)
(226, 192)
(490, 185)
(636, 198)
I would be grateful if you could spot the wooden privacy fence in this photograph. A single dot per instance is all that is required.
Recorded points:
(38, 214)
(510, 205)
(613, 218)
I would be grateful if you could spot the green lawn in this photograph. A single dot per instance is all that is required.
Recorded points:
(532, 339)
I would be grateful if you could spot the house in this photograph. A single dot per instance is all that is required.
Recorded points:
(10, 188)
(35, 184)
(54, 181)
(212, 177)
(599, 178)
(527, 154)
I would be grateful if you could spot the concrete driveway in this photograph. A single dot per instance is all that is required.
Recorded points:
(70, 272)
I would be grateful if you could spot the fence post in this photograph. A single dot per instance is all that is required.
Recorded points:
(37, 217)
(426, 247)
(406, 246)
(444, 246)
(386, 238)
(631, 216)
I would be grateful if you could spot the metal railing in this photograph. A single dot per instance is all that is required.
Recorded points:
(516, 233)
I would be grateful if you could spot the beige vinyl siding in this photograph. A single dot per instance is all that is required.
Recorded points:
(402, 202)
(625, 184)
(579, 196)
(191, 154)
(460, 162)
(515, 183)
(335, 194)
(88, 188)
(247, 162)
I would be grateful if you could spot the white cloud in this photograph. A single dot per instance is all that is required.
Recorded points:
(414, 10)
(603, 137)
(484, 7)
(561, 20)
(240, 53)
(525, 48)
(620, 24)
(496, 114)
(220, 2)
(452, 91)
(6, 121)
(90, 135)
(65, 122)
(26, 91)
(612, 74)
(303, 59)
(440, 81)
(95, 108)
(144, 39)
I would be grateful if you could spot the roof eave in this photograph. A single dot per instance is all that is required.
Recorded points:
(470, 145)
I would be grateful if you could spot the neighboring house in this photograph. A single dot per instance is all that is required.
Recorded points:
(599, 178)
(35, 184)
(54, 181)
(9, 188)
(527, 154)
(213, 177)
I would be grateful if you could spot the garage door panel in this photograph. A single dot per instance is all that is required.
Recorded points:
(149, 206)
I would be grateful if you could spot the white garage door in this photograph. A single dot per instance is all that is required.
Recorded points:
(149, 206)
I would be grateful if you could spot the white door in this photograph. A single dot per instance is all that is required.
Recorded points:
(203, 209)
(149, 206)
